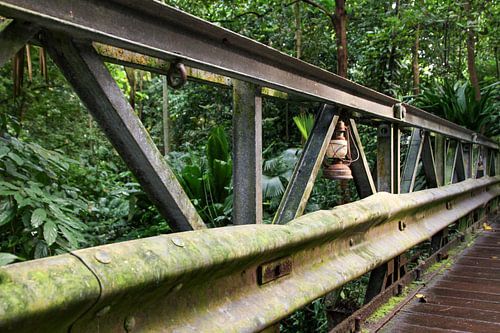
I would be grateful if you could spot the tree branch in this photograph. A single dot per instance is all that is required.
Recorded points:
(257, 14)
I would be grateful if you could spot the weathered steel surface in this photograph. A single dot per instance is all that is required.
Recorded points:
(360, 169)
(170, 34)
(466, 298)
(428, 162)
(301, 183)
(411, 163)
(155, 65)
(247, 153)
(46, 295)
(94, 85)
(13, 36)
(205, 279)
(385, 158)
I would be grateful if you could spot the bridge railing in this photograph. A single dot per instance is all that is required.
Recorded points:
(240, 277)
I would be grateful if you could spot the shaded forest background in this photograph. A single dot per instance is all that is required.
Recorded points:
(63, 187)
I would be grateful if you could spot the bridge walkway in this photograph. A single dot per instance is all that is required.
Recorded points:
(464, 298)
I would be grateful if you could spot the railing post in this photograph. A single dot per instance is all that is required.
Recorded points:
(247, 153)
(396, 159)
(385, 158)
(388, 146)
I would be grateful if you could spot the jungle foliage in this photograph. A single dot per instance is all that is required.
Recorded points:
(63, 186)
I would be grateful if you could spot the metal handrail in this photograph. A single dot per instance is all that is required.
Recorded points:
(170, 34)
(206, 281)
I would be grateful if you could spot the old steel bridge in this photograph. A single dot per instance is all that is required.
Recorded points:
(249, 276)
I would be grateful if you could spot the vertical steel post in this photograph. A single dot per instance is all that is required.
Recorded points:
(388, 144)
(396, 159)
(247, 153)
(385, 158)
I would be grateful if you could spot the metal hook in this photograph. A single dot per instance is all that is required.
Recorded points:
(176, 75)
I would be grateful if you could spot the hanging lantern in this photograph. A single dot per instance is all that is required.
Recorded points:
(338, 155)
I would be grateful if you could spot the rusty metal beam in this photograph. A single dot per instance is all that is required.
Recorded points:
(301, 183)
(13, 36)
(385, 158)
(202, 280)
(139, 61)
(362, 175)
(85, 71)
(411, 162)
(247, 153)
(459, 169)
(170, 34)
(428, 162)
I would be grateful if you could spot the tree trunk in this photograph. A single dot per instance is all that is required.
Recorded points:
(166, 119)
(298, 30)
(415, 67)
(471, 62)
(340, 23)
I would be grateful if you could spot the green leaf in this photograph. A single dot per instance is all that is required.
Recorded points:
(15, 158)
(7, 212)
(7, 258)
(3, 151)
(50, 232)
(38, 217)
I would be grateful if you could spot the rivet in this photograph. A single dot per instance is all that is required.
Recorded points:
(129, 323)
(178, 242)
(103, 311)
(103, 257)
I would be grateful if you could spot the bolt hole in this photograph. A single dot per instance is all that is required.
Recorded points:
(402, 226)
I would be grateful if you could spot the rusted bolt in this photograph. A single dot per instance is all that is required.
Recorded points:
(399, 291)
(418, 274)
(129, 324)
(399, 111)
(351, 242)
(176, 75)
(357, 325)
(402, 226)
(102, 256)
(103, 311)
(178, 242)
